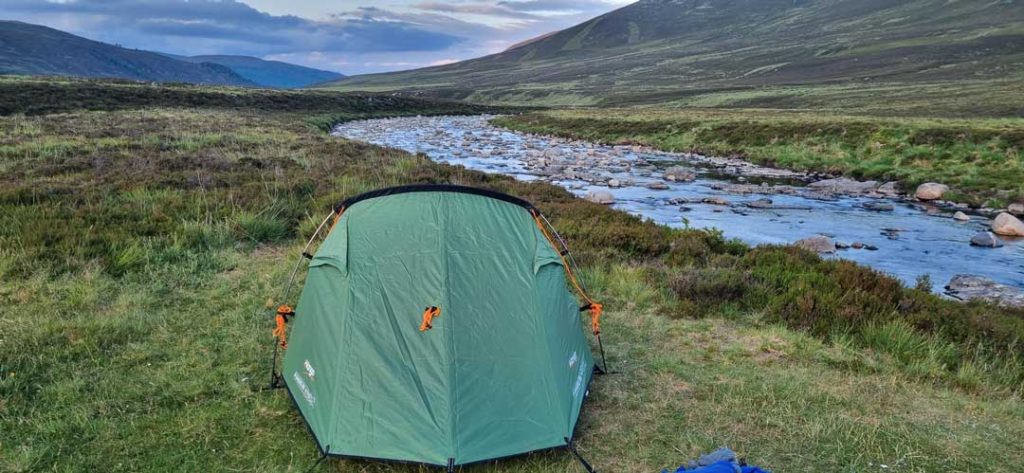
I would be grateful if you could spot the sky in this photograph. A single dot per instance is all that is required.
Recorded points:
(346, 36)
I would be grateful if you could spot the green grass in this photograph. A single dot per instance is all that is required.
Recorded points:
(981, 159)
(138, 257)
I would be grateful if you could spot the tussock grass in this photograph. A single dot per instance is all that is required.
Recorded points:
(135, 271)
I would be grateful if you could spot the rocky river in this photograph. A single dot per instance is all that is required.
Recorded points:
(867, 222)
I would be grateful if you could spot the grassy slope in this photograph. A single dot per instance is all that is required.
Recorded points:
(137, 247)
(827, 52)
(979, 158)
(39, 50)
(268, 73)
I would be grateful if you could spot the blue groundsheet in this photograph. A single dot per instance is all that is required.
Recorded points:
(722, 460)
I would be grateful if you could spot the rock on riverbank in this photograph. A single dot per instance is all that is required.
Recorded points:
(1008, 225)
(969, 287)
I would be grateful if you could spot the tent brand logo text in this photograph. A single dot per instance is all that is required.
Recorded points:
(579, 381)
(306, 393)
(309, 370)
(573, 359)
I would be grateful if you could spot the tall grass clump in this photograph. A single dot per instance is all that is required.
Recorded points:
(922, 355)
(205, 235)
(262, 227)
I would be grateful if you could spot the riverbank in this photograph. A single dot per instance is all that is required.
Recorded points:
(980, 159)
(865, 222)
(138, 247)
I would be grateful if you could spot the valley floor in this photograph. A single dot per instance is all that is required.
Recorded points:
(140, 247)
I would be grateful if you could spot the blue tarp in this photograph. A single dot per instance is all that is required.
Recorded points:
(722, 460)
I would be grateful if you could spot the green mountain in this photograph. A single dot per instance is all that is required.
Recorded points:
(37, 50)
(275, 74)
(741, 52)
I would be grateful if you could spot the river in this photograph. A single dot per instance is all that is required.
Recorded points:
(754, 204)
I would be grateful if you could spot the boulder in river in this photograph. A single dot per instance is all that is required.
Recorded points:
(931, 191)
(600, 197)
(680, 174)
(817, 244)
(657, 186)
(967, 287)
(889, 188)
(961, 217)
(879, 206)
(843, 185)
(614, 183)
(1006, 224)
(715, 201)
(1016, 209)
(760, 204)
(986, 240)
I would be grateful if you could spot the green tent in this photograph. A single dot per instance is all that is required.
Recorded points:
(436, 327)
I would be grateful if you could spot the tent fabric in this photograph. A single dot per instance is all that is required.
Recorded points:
(505, 367)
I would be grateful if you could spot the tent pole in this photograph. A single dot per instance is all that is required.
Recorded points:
(451, 465)
(565, 248)
(572, 448)
(275, 378)
(304, 254)
(604, 362)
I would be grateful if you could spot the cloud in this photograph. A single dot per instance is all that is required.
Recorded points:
(151, 22)
(442, 62)
(559, 6)
(349, 36)
(486, 9)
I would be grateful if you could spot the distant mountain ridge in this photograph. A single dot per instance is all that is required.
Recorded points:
(654, 51)
(38, 50)
(266, 73)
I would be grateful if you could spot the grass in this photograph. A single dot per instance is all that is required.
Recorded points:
(872, 57)
(981, 159)
(137, 258)
(45, 95)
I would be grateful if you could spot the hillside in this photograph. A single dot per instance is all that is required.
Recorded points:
(266, 73)
(37, 50)
(755, 52)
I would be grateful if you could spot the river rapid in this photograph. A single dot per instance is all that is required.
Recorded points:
(755, 204)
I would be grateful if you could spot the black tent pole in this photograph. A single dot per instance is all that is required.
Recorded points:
(275, 379)
(572, 448)
(604, 362)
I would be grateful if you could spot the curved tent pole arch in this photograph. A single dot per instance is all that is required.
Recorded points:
(284, 311)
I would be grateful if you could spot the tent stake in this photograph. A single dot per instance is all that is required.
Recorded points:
(604, 362)
(572, 448)
(451, 465)
(275, 379)
(323, 457)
